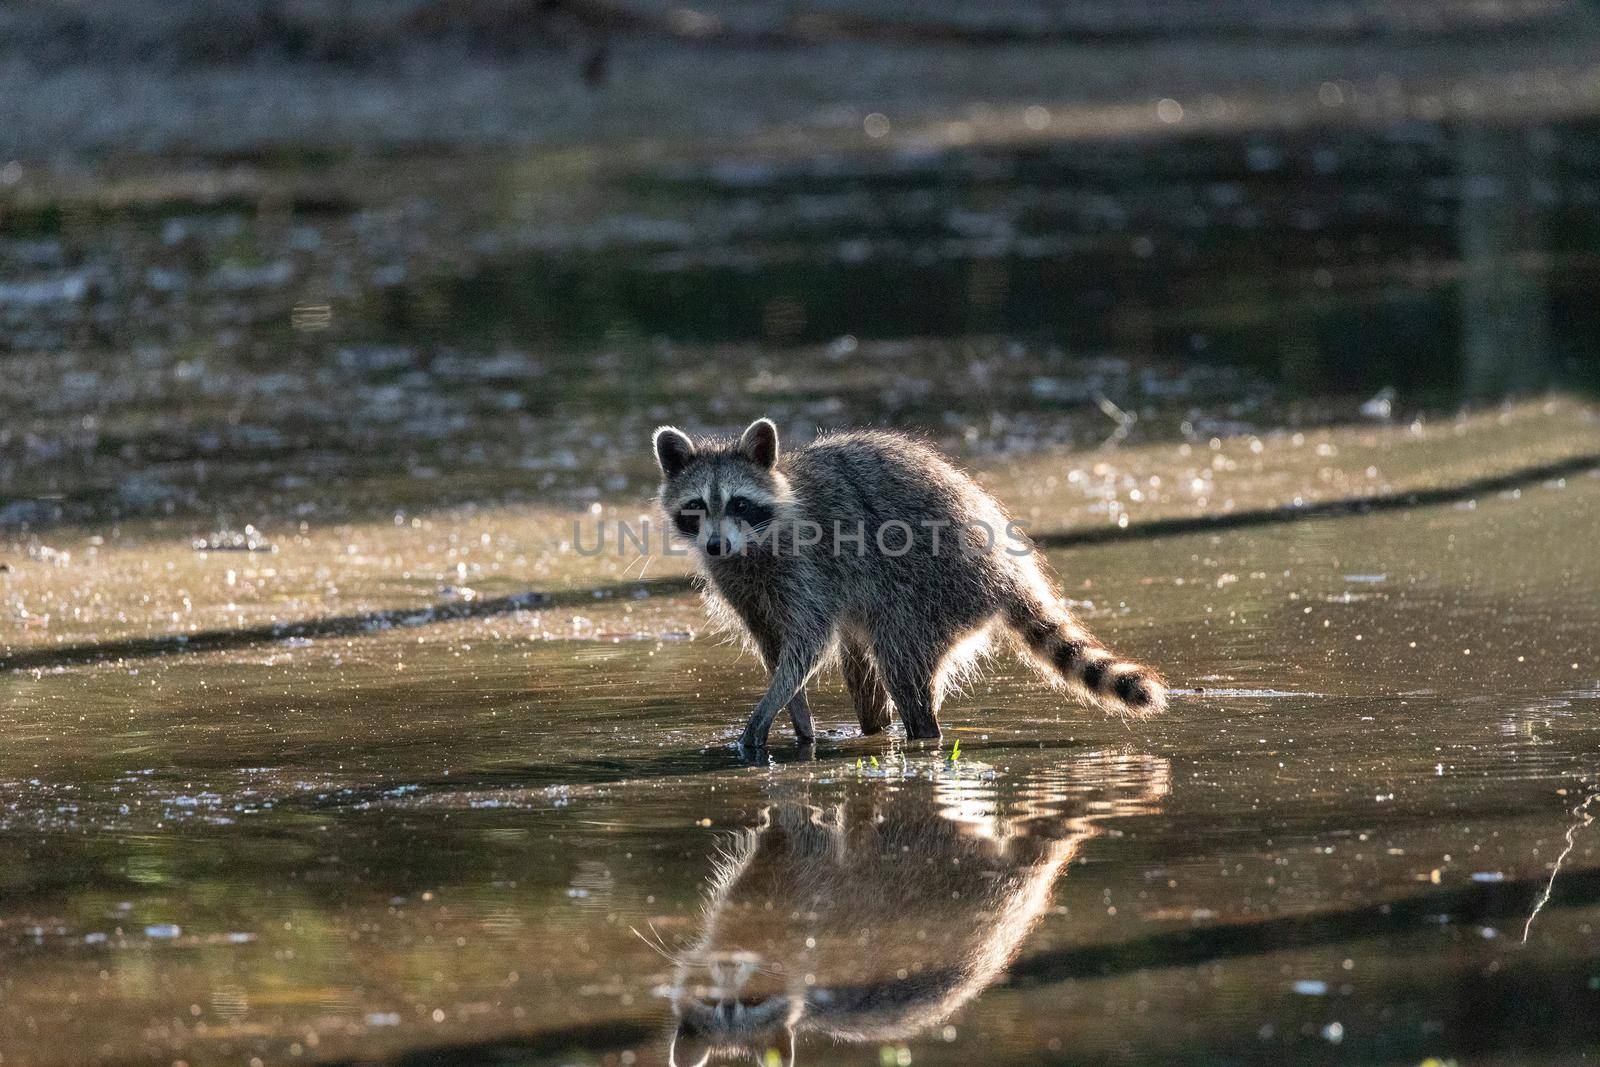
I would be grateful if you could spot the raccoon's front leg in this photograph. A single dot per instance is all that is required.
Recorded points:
(799, 709)
(796, 663)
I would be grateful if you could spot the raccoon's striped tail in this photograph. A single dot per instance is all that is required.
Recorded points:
(1092, 672)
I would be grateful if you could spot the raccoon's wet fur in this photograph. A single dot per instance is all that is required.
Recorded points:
(875, 917)
(869, 545)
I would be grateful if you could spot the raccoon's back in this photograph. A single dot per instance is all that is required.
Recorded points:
(877, 476)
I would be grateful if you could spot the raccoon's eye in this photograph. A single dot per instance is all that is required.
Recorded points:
(688, 517)
(747, 511)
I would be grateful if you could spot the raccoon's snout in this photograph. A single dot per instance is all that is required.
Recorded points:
(716, 545)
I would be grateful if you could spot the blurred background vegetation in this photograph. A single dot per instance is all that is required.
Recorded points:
(256, 246)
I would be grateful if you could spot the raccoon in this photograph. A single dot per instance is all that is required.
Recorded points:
(868, 545)
(875, 918)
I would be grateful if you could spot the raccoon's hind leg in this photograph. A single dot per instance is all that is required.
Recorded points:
(800, 715)
(866, 688)
(915, 686)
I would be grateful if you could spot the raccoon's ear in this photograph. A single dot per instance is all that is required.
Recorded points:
(760, 442)
(674, 450)
(688, 1049)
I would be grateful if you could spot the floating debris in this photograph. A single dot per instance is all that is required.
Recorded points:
(247, 540)
(1381, 406)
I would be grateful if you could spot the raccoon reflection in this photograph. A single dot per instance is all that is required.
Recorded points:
(876, 918)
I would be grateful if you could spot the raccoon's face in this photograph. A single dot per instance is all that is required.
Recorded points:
(733, 1020)
(724, 497)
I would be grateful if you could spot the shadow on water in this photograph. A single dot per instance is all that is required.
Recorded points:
(328, 626)
(1474, 905)
(1507, 1011)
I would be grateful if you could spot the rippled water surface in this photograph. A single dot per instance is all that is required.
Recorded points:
(1362, 832)
(322, 742)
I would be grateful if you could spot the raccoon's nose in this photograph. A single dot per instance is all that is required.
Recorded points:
(715, 545)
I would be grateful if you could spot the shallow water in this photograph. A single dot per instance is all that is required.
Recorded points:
(415, 782)
(450, 843)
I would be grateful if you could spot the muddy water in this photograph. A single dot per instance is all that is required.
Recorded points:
(401, 787)
(1360, 834)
